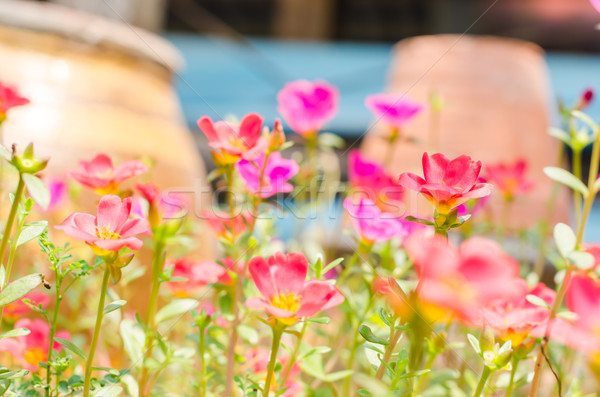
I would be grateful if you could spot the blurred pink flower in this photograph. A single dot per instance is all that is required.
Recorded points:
(100, 174)
(198, 275)
(448, 183)
(9, 98)
(371, 179)
(235, 141)
(510, 179)
(58, 192)
(224, 226)
(596, 4)
(275, 177)
(13, 311)
(514, 318)
(461, 281)
(371, 223)
(162, 205)
(306, 106)
(32, 349)
(110, 230)
(394, 109)
(286, 295)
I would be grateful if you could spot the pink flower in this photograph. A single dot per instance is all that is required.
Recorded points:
(448, 183)
(306, 106)
(593, 249)
(58, 192)
(286, 295)
(30, 350)
(17, 309)
(110, 230)
(371, 224)
(596, 4)
(224, 226)
(514, 318)
(510, 178)
(275, 177)
(198, 275)
(162, 205)
(100, 174)
(583, 299)
(235, 141)
(9, 98)
(372, 179)
(394, 109)
(460, 282)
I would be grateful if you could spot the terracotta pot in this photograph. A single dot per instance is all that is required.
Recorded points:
(496, 98)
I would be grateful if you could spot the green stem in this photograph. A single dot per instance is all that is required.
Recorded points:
(52, 333)
(484, 377)
(354, 346)
(394, 336)
(277, 333)
(511, 382)
(99, 316)
(292, 359)
(576, 166)
(202, 363)
(157, 268)
(421, 380)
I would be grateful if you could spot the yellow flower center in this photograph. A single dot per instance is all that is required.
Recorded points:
(104, 233)
(289, 301)
(34, 356)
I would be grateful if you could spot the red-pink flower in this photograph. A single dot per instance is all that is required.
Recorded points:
(276, 174)
(224, 225)
(306, 106)
(9, 98)
(510, 179)
(30, 350)
(461, 281)
(448, 183)
(101, 175)
(371, 223)
(235, 141)
(198, 275)
(111, 229)
(286, 295)
(596, 4)
(513, 318)
(394, 109)
(372, 180)
(17, 309)
(583, 299)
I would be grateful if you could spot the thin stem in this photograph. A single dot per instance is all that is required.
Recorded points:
(157, 268)
(202, 363)
(394, 336)
(421, 380)
(484, 377)
(99, 317)
(589, 200)
(576, 166)
(292, 359)
(52, 333)
(354, 346)
(511, 382)
(277, 333)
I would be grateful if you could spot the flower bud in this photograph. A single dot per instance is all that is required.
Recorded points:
(27, 163)
(503, 358)
(277, 136)
(487, 340)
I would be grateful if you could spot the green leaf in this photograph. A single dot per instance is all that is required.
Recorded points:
(560, 134)
(335, 376)
(31, 231)
(318, 320)
(5, 153)
(15, 332)
(474, 343)
(71, 347)
(537, 301)
(582, 260)
(109, 391)
(19, 288)
(332, 264)
(585, 119)
(134, 339)
(565, 239)
(37, 189)
(566, 178)
(366, 333)
(112, 306)
(570, 316)
(419, 220)
(175, 308)
(413, 374)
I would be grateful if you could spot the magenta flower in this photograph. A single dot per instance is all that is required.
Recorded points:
(448, 183)
(31, 350)
(286, 295)
(510, 179)
(9, 98)
(110, 230)
(306, 106)
(58, 192)
(514, 318)
(596, 4)
(394, 109)
(275, 177)
(235, 141)
(371, 179)
(100, 174)
(371, 223)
